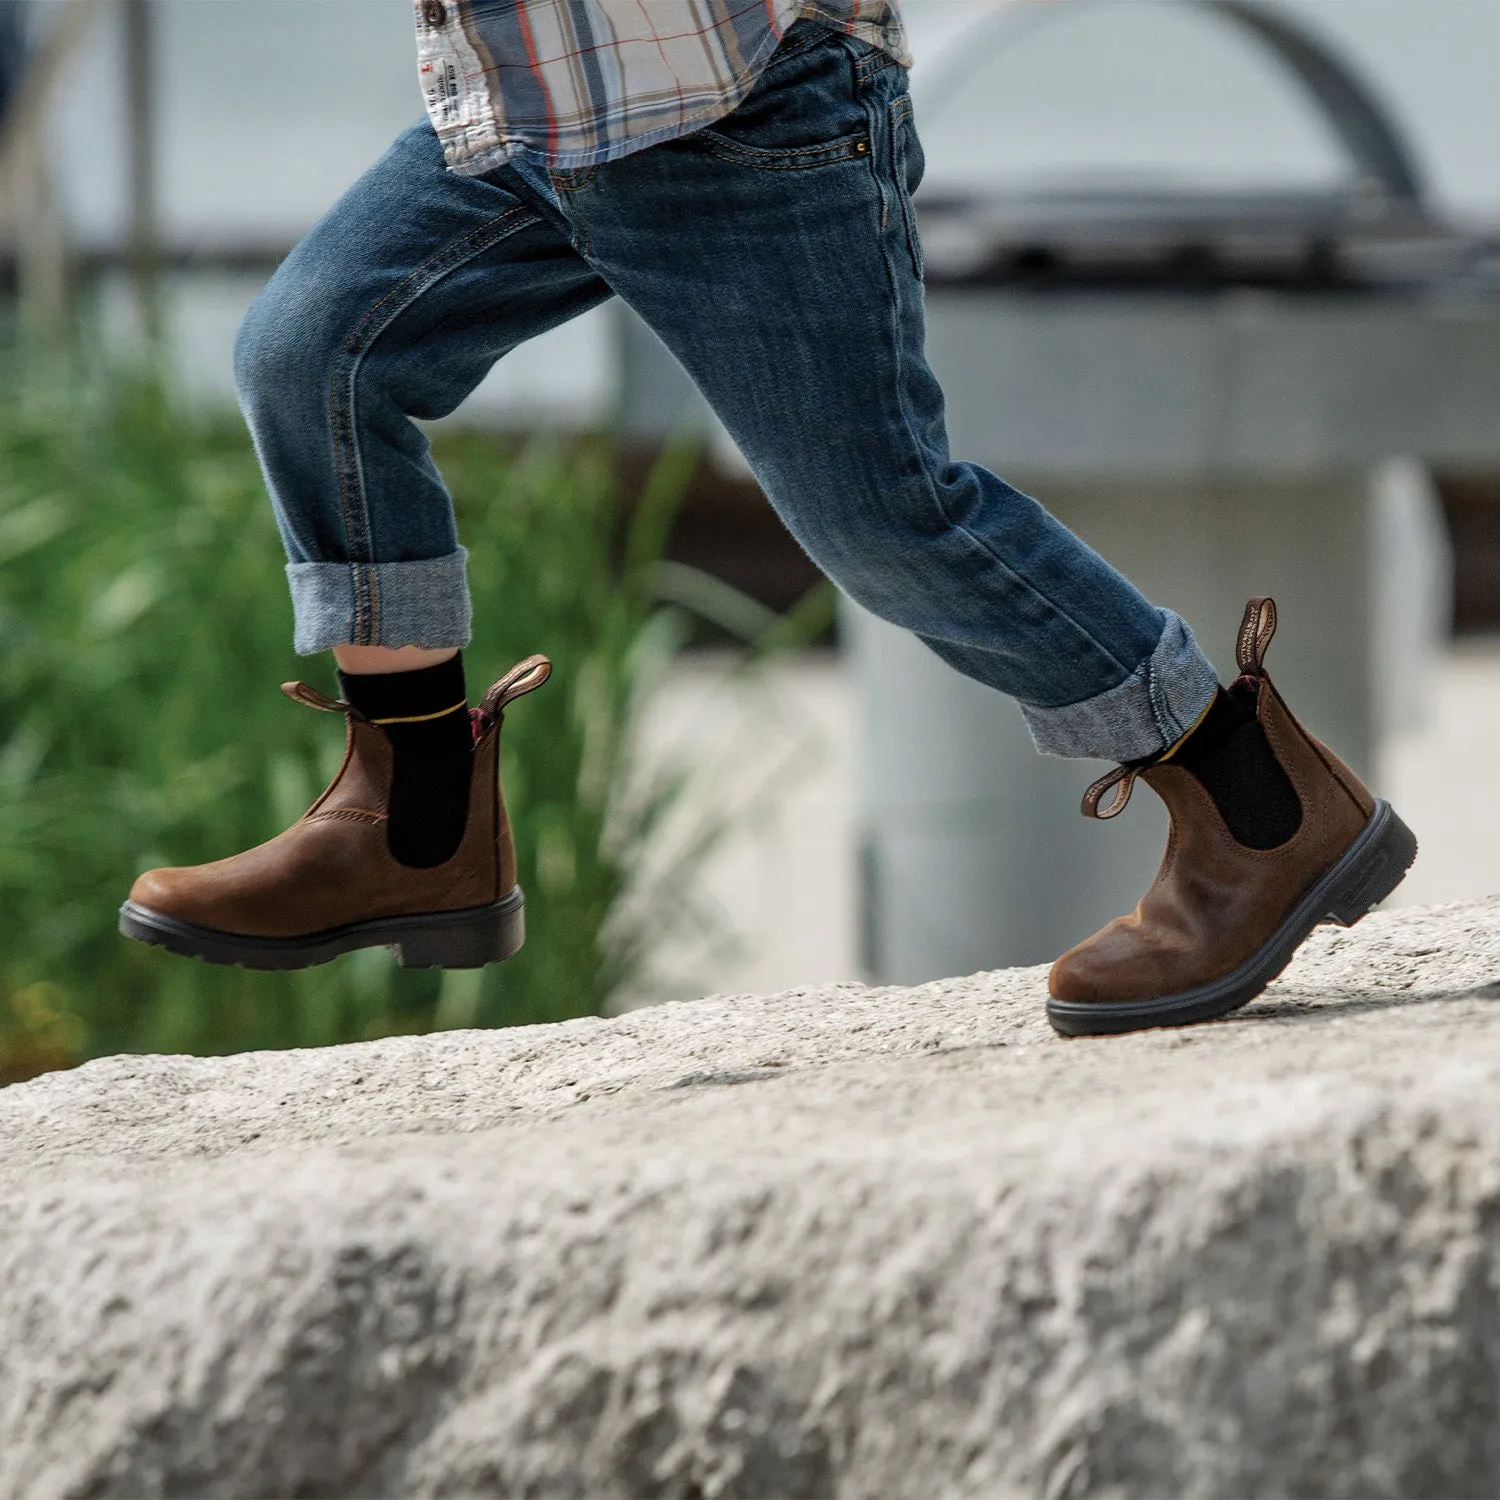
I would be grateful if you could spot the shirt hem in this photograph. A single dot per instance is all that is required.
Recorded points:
(487, 158)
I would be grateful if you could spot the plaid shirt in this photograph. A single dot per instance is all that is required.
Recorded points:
(576, 82)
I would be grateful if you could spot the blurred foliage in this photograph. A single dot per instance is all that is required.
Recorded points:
(144, 627)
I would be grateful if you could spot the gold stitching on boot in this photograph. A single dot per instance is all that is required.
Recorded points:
(424, 718)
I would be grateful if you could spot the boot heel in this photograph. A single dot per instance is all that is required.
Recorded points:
(1378, 863)
(467, 939)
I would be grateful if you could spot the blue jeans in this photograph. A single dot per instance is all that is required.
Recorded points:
(776, 255)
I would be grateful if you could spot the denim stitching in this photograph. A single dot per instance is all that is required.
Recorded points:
(1166, 724)
(760, 159)
(866, 68)
(841, 143)
(573, 181)
(1146, 700)
(357, 595)
(348, 459)
(570, 179)
(792, 159)
(901, 111)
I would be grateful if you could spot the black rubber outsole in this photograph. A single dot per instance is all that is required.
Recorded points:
(1367, 872)
(467, 939)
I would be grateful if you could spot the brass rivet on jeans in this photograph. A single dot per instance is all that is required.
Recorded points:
(861, 148)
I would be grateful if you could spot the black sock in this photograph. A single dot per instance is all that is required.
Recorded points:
(1229, 754)
(425, 714)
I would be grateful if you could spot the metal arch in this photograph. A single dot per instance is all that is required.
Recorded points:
(1346, 103)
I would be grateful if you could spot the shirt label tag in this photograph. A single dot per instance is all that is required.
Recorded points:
(442, 89)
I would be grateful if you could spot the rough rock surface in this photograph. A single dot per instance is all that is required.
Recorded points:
(845, 1241)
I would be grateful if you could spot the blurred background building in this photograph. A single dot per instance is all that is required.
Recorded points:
(1231, 306)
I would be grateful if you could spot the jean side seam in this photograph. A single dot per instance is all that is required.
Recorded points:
(1033, 590)
(909, 429)
(1171, 726)
(404, 295)
(1166, 722)
(343, 423)
(873, 111)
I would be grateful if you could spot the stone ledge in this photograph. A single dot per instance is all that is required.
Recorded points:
(836, 1241)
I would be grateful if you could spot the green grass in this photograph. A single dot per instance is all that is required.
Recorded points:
(144, 629)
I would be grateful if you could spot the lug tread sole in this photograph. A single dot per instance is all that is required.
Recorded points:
(466, 939)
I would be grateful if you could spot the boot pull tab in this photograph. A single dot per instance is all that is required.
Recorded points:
(1122, 778)
(525, 677)
(310, 697)
(1256, 630)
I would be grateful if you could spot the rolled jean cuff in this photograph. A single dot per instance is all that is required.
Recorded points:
(381, 604)
(1147, 713)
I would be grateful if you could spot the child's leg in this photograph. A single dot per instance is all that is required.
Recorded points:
(393, 308)
(776, 256)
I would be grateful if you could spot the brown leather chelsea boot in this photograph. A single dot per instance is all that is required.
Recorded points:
(1222, 919)
(329, 884)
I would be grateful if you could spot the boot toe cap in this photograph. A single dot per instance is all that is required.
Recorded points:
(1117, 963)
(1075, 978)
(163, 891)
